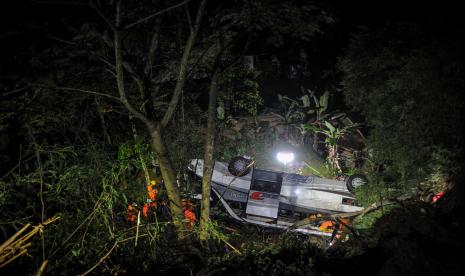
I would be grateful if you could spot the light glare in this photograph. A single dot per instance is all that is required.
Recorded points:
(285, 157)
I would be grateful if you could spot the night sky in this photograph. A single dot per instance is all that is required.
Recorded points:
(30, 20)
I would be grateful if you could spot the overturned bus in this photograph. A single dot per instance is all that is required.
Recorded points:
(277, 199)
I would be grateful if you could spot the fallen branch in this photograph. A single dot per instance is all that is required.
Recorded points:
(18, 245)
(10, 240)
(42, 268)
(115, 244)
(338, 216)
(232, 247)
(101, 259)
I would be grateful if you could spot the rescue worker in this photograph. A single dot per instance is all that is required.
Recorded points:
(151, 203)
(153, 192)
(330, 225)
(132, 213)
(189, 214)
(327, 225)
(335, 227)
(437, 196)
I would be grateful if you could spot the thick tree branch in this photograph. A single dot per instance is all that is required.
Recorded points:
(144, 91)
(120, 72)
(183, 66)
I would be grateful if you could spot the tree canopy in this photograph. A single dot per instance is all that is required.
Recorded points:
(406, 81)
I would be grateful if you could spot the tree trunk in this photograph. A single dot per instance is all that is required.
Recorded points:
(157, 142)
(334, 158)
(208, 157)
(169, 178)
(155, 128)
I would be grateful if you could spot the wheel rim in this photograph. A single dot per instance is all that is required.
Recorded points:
(357, 182)
(239, 166)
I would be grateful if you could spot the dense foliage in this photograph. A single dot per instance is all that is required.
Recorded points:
(406, 79)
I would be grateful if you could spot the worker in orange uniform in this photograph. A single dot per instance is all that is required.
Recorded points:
(437, 196)
(151, 203)
(330, 225)
(327, 225)
(334, 227)
(189, 214)
(132, 213)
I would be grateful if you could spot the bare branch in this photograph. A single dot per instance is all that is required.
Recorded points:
(109, 64)
(78, 90)
(111, 72)
(154, 42)
(186, 8)
(183, 66)
(60, 40)
(120, 72)
(88, 92)
(136, 77)
(101, 259)
(131, 70)
(155, 14)
(102, 15)
(5, 94)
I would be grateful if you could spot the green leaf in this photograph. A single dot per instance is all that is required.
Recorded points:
(306, 128)
(323, 102)
(330, 126)
(306, 101)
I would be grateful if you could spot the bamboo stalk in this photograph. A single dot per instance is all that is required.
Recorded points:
(14, 258)
(11, 251)
(42, 268)
(26, 245)
(232, 247)
(10, 240)
(21, 244)
(137, 229)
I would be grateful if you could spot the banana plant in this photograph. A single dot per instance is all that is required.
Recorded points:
(292, 110)
(332, 137)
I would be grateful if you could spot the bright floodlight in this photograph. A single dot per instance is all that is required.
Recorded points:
(285, 157)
